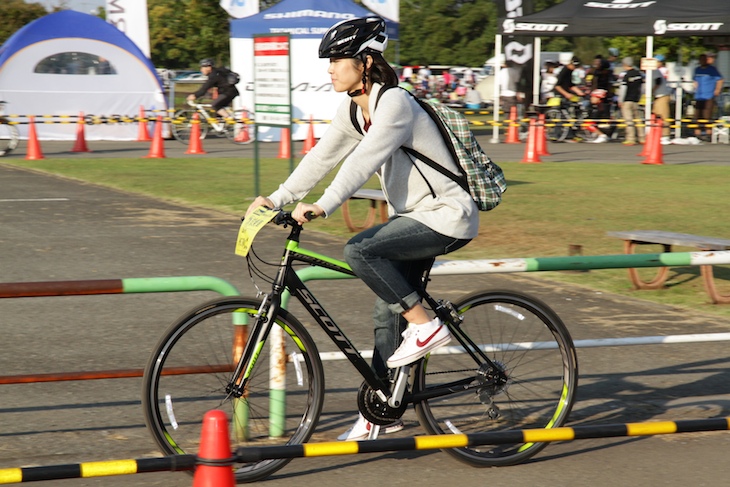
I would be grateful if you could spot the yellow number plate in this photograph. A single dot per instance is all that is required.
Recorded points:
(250, 227)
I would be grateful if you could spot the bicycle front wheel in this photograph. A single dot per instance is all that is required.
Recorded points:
(527, 341)
(182, 126)
(193, 363)
(8, 137)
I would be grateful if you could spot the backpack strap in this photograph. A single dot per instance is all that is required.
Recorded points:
(461, 181)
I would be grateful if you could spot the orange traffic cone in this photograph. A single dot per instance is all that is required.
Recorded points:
(157, 150)
(649, 138)
(513, 130)
(34, 151)
(143, 133)
(531, 155)
(655, 147)
(285, 144)
(195, 146)
(542, 149)
(80, 145)
(243, 136)
(309, 141)
(214, 469)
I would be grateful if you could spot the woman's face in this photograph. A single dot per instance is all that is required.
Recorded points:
(346, 74)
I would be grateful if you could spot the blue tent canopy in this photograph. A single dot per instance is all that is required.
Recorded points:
(307, 19)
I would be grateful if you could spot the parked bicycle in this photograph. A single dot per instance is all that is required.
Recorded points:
(9, 135)
(514, 366)
(236, 127)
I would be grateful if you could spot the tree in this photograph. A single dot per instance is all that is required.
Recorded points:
(16, 14)
(182, 32)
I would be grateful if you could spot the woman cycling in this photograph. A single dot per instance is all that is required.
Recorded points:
(430, 214)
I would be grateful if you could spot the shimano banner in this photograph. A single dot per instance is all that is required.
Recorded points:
(130, 16)
(239, 9)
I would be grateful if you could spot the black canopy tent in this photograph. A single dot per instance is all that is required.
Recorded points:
(612, 18)
(625, 18)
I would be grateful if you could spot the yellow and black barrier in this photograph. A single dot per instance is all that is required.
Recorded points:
(172, 463)
(435, 442)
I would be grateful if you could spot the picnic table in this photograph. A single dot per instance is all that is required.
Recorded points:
(376, 198)
(668, 239)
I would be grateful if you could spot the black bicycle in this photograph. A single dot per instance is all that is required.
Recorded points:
(511, 365)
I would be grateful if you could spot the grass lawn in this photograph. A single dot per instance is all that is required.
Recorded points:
(546, 209)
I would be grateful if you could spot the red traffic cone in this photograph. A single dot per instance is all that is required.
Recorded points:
(195, 146)
(309, 142)
(542, 149)
(649, 138)
(80, 145)
(157, 150)
(655, 147)
(34, 151)
(531, 155)
(143, 133)
(285, 144)
(513, 130)
(215, 447)
(243, 136)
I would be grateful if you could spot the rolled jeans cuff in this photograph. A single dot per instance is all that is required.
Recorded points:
(405, 304)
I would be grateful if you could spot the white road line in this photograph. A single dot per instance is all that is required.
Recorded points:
(11, 200)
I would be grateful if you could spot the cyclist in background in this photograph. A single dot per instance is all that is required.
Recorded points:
(430, 214)
(219, 78)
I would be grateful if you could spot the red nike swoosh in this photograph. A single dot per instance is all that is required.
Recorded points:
(420, 343)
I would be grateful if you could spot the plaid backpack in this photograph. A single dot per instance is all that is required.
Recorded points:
(480, 177)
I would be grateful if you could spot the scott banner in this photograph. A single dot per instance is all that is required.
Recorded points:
(518, 49)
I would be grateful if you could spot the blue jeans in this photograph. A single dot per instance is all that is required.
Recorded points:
(391, 259)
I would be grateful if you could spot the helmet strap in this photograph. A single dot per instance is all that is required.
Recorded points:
(352, 94)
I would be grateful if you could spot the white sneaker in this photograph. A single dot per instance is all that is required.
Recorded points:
(600, 139)
(418, 341)
(665, 141)
(361, 429)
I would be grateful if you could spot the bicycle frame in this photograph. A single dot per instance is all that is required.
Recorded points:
(287, 279)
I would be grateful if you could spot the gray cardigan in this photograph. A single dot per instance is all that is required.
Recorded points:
(398, 121)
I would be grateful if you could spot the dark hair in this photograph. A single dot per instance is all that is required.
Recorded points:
(381, 71)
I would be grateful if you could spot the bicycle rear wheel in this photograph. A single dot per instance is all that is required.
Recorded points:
(238, 131)
(192, 364)
(182, 125)
(8, 137)
(525, 339)
(556, 128)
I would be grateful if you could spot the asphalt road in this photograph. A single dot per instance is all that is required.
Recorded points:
(57, 229)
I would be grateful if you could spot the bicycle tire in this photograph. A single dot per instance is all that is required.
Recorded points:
(201, 345)
(556, 128)
(541, 383)
(182, 124)
(9, 137)
(238, 132)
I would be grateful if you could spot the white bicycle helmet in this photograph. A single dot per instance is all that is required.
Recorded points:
(352, 37)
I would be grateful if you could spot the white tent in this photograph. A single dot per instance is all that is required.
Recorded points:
(306, 21)
(69, 62)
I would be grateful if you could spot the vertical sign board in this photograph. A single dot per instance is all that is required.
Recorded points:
(272, 87)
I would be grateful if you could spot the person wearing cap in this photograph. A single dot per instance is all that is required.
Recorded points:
(564, 86)
(429, 213)
(708, 84)
(217, 78)
(629, 95)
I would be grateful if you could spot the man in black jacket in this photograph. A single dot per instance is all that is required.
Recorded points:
(217, 78)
